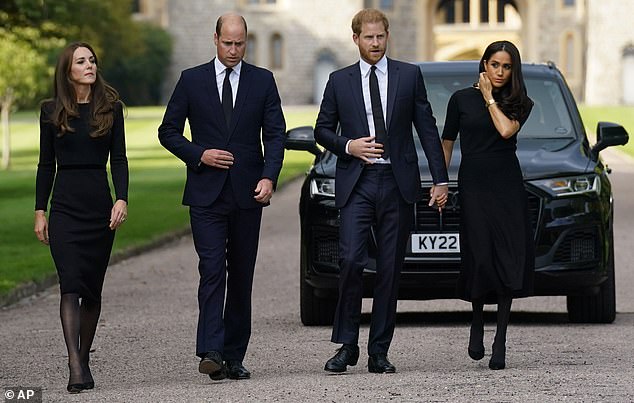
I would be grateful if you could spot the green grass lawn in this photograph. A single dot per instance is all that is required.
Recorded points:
(156, 185)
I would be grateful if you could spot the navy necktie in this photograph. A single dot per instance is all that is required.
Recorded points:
(227, 97)
(377, 111)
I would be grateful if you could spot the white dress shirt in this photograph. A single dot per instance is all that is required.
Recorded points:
(381, 75)
(234, 78)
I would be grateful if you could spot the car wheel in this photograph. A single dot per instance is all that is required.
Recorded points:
(314, 310)
(599, 308)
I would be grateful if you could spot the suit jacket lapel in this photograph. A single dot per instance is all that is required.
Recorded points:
(356, 87)
(211, 89)
(241, 96)
(392, 85)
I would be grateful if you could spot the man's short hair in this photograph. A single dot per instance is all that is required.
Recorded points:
(368, 15)
(219, 25)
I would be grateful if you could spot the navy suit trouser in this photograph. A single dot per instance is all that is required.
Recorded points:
(226, 240)
(375, 200)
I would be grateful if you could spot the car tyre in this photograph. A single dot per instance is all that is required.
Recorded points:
(314, 310)
(599, 308)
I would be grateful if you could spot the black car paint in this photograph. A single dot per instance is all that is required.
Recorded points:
(584, 221)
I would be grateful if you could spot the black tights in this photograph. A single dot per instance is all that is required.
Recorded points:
(476, 335)
(79, 323)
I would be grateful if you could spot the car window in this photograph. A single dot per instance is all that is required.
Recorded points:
(549, 118)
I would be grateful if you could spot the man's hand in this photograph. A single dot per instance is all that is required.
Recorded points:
(365, 149)
(264, 190)
(438, 195)
(217, 158)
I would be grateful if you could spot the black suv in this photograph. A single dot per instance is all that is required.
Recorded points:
(570, 200)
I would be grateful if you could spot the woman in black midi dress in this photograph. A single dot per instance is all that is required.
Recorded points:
(495, 233)
(80, 128)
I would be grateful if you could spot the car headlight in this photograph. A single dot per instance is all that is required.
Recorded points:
(568, 186)
(322, 187)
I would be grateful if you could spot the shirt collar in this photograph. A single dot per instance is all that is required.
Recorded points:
(220, 68)
(381, 66)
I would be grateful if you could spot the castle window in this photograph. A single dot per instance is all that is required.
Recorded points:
(475, 11)
(386, 4)
(276, 51)
(569, 3)
(258, 2)
(252, 49)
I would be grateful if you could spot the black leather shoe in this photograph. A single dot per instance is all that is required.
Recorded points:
(219, 375)
(210, 363)
(379, 364)
(348, 354)
(236, 370)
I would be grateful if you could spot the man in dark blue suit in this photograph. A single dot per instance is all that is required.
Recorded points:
(375, 102)
(233, 108)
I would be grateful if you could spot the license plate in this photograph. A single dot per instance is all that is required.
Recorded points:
(435, 243)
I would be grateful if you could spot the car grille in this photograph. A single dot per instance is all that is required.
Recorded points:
(578, 246)
(428, 220)
(325, 246)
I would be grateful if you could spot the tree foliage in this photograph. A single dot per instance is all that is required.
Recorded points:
(121, 43)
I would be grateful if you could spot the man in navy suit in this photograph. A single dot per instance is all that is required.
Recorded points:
(233, 108)
(375, 102)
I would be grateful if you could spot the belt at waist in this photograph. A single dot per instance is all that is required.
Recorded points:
(80, 166)
(382, 167)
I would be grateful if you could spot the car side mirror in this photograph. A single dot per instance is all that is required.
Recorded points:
(609, 134)
(303, 139)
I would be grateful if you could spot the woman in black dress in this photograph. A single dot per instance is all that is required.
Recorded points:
(79, 129)
(495, 233)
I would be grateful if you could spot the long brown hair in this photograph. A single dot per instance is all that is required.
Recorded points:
(512, 99)
(65, 106)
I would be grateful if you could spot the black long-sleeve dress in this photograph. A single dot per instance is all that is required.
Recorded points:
(496, 238)
(74, 168)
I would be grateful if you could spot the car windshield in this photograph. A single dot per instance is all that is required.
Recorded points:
(549, 118)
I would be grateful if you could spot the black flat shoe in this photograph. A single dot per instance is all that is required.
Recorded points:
(498, 357)
(89, 385)
(75, 388)
(476, 355)
(348, 354)
(210, 363)
(235, 370)
(379, 364)
(497, 365)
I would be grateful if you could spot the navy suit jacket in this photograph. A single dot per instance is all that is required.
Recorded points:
(257, 120)
(407, 104)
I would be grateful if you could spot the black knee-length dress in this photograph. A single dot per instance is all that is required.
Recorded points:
(73, 166)
(496, 238)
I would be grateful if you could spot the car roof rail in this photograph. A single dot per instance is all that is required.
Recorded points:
(551, 64)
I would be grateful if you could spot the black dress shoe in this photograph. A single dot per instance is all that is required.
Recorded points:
(379, 364)
(219, 375)
(236, 370)
(348, 354)
(210, 363)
